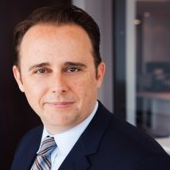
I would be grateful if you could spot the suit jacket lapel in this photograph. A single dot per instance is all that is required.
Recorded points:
(88, 142)
(75, 160)
(27, 156)
(31, 155)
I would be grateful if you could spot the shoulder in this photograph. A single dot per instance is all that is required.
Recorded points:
(34, 133)
(30, 138)
(127, 144)
(131, 137)
(37, 131)
(126, 135)
(26, 149)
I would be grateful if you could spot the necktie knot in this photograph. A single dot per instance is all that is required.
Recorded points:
(47, 146)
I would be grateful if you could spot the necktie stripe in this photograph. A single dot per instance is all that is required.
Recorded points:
(46, 161)
(45, 150)
(42, 161)
(38, 165)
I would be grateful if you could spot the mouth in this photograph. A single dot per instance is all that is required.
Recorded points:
(59, 104)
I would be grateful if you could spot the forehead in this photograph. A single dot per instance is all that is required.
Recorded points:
(50, 39)
(54, 31)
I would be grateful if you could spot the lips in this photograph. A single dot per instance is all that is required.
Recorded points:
(59, 104)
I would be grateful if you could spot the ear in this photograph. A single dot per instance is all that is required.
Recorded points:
(17, 76)
(100, 73)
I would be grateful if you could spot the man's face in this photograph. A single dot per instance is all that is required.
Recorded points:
(58, 75)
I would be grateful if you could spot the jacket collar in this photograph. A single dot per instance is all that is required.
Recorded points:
(88, 142)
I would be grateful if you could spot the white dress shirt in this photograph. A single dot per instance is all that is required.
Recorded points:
(66, 140)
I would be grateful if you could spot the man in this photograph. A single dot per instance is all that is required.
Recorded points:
(59, 69)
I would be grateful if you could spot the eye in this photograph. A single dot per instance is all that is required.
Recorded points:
(72, 69)
(41, 71)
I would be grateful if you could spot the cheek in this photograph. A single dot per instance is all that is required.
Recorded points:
(85, 90)
(34, 92)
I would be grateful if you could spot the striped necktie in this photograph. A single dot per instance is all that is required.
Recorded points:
(42, 161)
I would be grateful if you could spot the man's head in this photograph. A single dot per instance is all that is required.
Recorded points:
(56, 68)
(60, 15)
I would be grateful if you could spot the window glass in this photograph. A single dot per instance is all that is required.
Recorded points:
(152, 25)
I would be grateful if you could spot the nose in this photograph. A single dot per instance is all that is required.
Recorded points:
(58, 83)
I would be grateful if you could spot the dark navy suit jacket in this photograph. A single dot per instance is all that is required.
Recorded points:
(107, 144)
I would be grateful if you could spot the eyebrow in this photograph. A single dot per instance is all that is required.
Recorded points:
(38, 65)
(75, 64)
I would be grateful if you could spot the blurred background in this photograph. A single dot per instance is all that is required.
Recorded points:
(135, 40)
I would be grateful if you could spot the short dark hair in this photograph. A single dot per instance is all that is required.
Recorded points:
(59, 15)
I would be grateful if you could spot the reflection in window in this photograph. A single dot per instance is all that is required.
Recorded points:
(153, 67)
